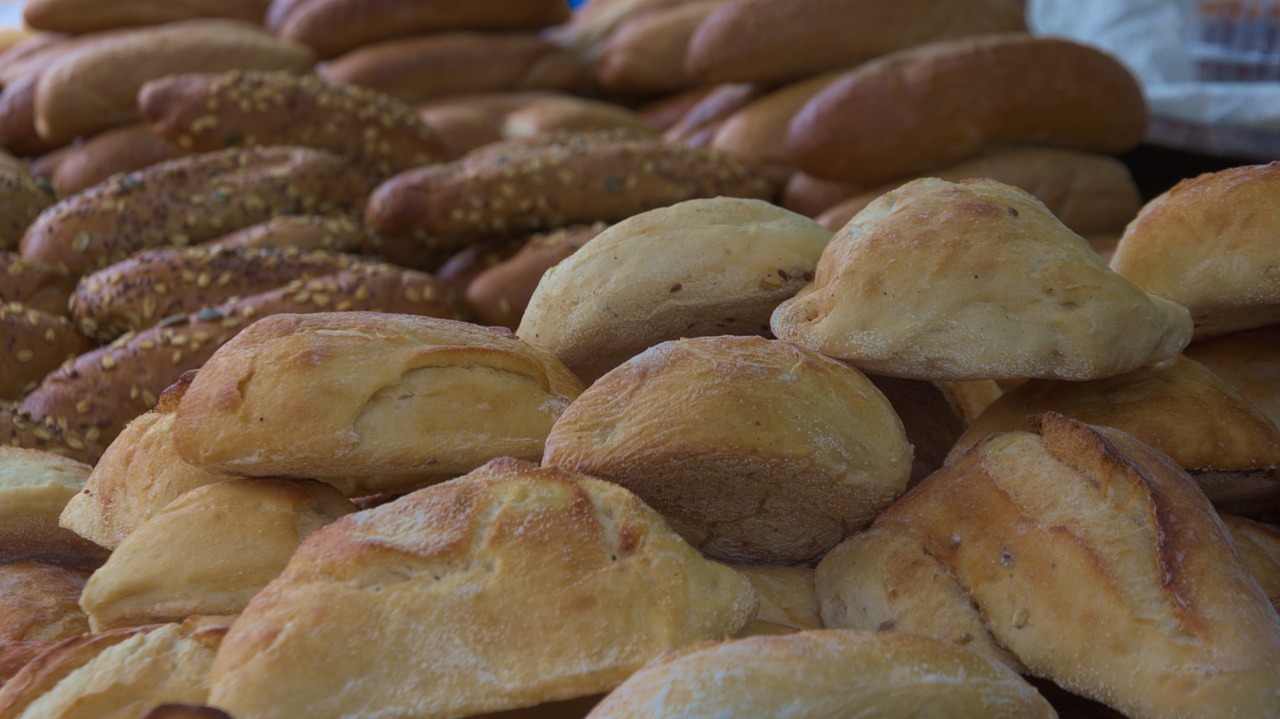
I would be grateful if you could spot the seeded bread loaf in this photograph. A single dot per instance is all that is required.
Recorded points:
(22, 199)
(102, 390)
(82, 165)
(334, 233)
(573, 114)
(221, 192)
(52, 435)
(34, 343)
(422, 68)
(552, 181)
(153, 285)
(34, 284)
(81, 16)
(208, 112)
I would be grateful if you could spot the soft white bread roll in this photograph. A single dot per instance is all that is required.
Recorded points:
(208, 551)
(510, 587)
(1101, 565)
(755, 451)
(826, 673)
(1209, 244)
(702, 267)
(40, 601)
(1248, 361)
(35, 486)
(1259, 547)
(393, 400)
(975, 280)
(788, 602)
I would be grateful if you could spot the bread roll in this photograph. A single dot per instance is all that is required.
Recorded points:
(40, 601)
(975, 280)
(333, 27)
(755, 451)
(1247, 361)
(35, 343)
(209, 112)
(698, 125)
(46, 434)
(788, 602)
(34, 284)
(825, 673)
(334, 233)
(614, 586)
(1259, 548)
(208, 551)
(1034, 90)
(931, 416)
(81, 16)
(22, 199)
(393, 399)
(773, 41)
(702, 267)
(186, 711)
(464, 265)
(82, 165)
(34, 488)
(16, 655)
(236, 188)
(664, 112)
(1074, 527)
(645, 55)
(439, 65)
(811, 196)
(501, 293)
(1206, 244)
(574, 114)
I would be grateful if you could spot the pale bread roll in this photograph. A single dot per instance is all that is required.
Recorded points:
(39, 601)
(1101, 565)
(975, 280)
(1249, 362)
(788, 602)
(1178, 407)
(702, 267)
(208, 551)
(1259, 548)
(510, 587)
(755, 451)
(35, 486)
(392, 400)
(1209, 244)
(575, 114)
(826, 673)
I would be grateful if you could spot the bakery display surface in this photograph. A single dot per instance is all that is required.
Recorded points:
(432, 359)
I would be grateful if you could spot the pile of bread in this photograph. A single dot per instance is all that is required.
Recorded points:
(694, 358)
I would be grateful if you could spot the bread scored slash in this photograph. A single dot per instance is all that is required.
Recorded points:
(209, 112)
(552, 181)
(190, 200)
(98, 393)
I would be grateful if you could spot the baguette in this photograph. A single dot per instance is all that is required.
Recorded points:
(81, 16)
(219, 192)
(34, 284)
(18, 132)
(53, 435)
(571, 114)
(665, 112)
(811, 196)
(22, 199)
(1034, 90)
(96, 87)
(552, 181)
(336, 233)
(774, 41)
(153, 285)
(101, 391)
(646, 53)
(79, 166)
(333, 27)
(207, 112)
(422, 68)
(501, 293)
(34, 344)
(699, 123)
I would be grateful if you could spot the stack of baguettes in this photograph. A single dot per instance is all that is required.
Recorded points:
(939, 459)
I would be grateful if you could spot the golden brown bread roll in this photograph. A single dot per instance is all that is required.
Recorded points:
(645, 55)
(591, 25)
(1206, 244)
(40, 601)
(826, 673)
(464, 265)
(703, 267)
(208, 551)
(81, 16)
(811, 196)
(34, 488)
(439, 65)
(773, 41)
(501, 293)
(1247, 361)
(95, 87)
(1034, 90)
(16, 655)
(698, 125)
(101, 391)
(551, 181)
(34, 284)
(574, 114)
(333, 27)
(1089, 193)
(392, 399)
(1179, 407)
(755, 451)
(788, 602)
(209, 112)
(236, 188)
(334, 233)
(1259, 548)
(35, 343)
(1058, 532)
(615, 589)
(22, 199)
(46, 434)
(664, 112)
(975, 280)
(82, 165)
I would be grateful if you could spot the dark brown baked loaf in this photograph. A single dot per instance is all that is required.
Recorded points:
(220, 192)
(696, 127)
(421, 68)
(82, 165)
(552, 181)
(154, 285)
(333, 27)
(810, 196)
(208, 112)
(97, 395)
(33, 344)
(22, 199)
(918, 109)
(500, 294)
(646, 53)
(466, 264)
(34, 284)
(774, 41)
(81, 16)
